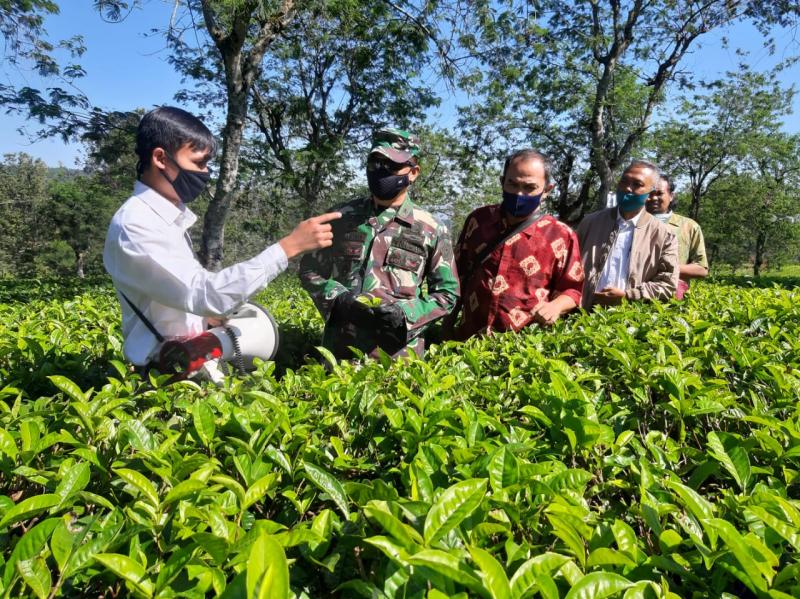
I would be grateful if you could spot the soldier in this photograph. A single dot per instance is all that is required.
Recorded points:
(368, 285)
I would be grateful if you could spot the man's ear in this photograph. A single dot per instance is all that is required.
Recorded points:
(548, 189)
(413, 173)
(158, 158)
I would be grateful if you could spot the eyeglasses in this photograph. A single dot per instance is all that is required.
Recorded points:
(376, 162)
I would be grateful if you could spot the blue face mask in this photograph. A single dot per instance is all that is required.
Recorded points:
(520, 205)
(628, 202)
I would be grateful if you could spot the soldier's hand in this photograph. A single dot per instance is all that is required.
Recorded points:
(349, 308)
(390, 315)
(311, 234)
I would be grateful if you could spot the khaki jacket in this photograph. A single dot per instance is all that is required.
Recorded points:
(653, 272)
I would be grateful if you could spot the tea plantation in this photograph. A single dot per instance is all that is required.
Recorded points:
(644, 451)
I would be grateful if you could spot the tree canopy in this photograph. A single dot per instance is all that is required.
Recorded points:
(297, 88)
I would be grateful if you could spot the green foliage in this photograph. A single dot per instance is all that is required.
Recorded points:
(54, 226)
(641, 451)
(343, 70)
(721, 131)
(78, 212)
(23, 197)
(582, 80)
(27, 47)
(752, 214)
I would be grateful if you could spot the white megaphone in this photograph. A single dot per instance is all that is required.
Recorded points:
(249, 332)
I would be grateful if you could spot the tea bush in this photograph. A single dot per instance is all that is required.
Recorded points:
(643, 451)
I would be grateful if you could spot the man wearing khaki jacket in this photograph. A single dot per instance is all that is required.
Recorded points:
(626, 252)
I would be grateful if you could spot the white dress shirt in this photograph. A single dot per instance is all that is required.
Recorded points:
(150, 259)
(617, 266)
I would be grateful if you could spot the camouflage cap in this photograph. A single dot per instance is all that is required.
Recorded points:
(397, 145)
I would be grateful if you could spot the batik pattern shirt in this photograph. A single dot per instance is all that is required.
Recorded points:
(532, 267)
(691, 245)
(388, 254)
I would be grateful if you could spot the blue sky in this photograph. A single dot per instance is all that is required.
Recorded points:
(127, 69)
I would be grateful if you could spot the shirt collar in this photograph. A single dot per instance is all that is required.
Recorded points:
(633, 221)
(169, 212)
(405, 212)
(527, 231)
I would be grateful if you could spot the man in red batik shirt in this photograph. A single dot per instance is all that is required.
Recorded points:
(517, 265)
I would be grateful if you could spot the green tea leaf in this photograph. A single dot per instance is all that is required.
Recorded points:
(759, 573)
(599, 585)
(75, 479)
(129, 570)
(699, 507)
(734, 459)
(187, 488)
(203, 419)
(36, 575)
(391, 549)
(29, 546)
(452, 507)
(67, 387)
(627, 541)
(492, 574)
(215, 546)
(258, 489)
(7, 444)
(325, 482)
(174, 566)
(62, 543)
(448, 566)
(503, 469)
(409, 538)
(139, 481)
(267, 570)
(28, 508)
(534, 574)
(788, 532)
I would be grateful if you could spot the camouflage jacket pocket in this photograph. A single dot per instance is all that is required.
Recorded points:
(350, 250)
(350, 246)
(404, 259)
(411, 242)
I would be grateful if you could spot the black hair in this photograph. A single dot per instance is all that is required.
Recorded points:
(671, 187)
(529, 153)
(170, 128)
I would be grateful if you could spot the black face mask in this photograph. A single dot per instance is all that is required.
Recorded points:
(385, 185)
(188, 184)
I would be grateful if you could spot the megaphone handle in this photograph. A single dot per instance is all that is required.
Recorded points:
(237, 351)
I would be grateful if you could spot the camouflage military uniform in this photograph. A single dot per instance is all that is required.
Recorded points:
(387, 254)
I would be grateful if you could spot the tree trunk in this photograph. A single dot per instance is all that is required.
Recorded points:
(241, 69)
(694, 209)
(599, 159)
(80, 262)
(758, 261)
(211, 249)
(580, 208)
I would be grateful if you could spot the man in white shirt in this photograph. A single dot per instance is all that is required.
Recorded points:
(148, 250)
(626, 252)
